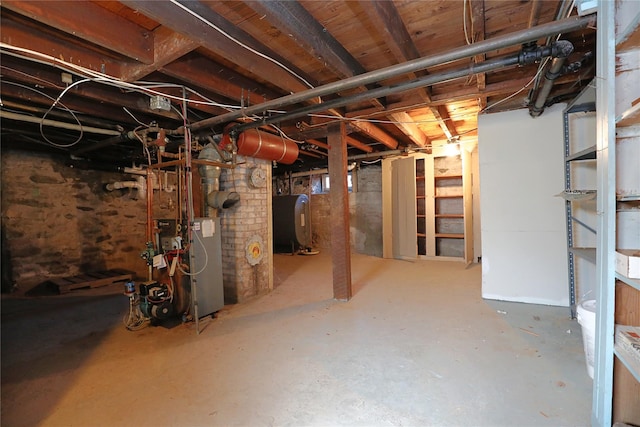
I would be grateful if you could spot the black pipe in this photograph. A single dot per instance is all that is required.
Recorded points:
(564, 49)
(489, 45)
(522, 58)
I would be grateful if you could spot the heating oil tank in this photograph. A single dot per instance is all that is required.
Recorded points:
(291, 223)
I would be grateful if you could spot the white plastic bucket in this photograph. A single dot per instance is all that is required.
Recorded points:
(587, 319)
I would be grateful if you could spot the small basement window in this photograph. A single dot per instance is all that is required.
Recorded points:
(322, 187)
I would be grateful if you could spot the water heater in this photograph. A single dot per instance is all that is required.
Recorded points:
(291, 223)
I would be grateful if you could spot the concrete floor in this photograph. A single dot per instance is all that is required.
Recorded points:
(415, 346)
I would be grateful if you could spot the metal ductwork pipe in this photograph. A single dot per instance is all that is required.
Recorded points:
(215, 199)
(485, 46)
(563, 49)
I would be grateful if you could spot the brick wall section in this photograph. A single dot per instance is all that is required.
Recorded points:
(59, 221)
(251, 216)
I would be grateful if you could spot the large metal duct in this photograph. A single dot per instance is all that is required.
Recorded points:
(215, 199)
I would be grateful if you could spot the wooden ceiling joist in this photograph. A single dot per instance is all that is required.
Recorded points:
(386, 15)
(184, 20)
(86, 23)
(293, 18)
(16, 33)
(168, 46)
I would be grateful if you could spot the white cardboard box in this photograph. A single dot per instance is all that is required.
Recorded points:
(628, 263)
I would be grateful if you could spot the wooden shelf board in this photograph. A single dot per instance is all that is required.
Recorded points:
(450, 235)
(459, 196)
(447, 177)
(449, 216)
(421, 235)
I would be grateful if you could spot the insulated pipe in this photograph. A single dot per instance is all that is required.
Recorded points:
(139, 184)
(565, 48)
(485, 46)
(56, 124)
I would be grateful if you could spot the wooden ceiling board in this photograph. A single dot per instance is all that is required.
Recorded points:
(207, 61)
(129, 14)
(246, 19)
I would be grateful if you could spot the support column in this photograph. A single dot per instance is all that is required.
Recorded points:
(339, 196)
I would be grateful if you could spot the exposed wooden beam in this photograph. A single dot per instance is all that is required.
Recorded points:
(184, 22)
(492, 89)
(357, 144)
(292, 18)
(100, 95)
(534, 16)
(442, 115)
(92, 23)
(167, 47)
(311, 154)
(318, 143)
(197, 71)
(405, 123)
(478, 20)
(469, 93)
(339, 213)
(376, 133)
(87, 106)
(16, 33)
(397, 37)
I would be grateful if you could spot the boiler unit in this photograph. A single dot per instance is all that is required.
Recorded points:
(291, 223)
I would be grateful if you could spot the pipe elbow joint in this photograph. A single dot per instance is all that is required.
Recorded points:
(562, 49)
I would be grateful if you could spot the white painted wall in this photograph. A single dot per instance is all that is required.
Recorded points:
(524, 253)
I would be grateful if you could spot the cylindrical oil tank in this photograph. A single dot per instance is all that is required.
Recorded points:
(264, 145)
(291, 222)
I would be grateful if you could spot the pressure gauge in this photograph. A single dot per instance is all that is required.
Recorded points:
(258, 178)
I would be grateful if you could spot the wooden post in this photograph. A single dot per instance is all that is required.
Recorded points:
(339, 196)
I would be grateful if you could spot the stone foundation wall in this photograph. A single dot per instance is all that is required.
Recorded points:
(59, 221)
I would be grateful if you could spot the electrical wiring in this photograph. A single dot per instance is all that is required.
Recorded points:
(464, 23)
(55, 102)
(513, 94)
(147, 88)
(134, 117)
(45, 59)
(233, 39)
